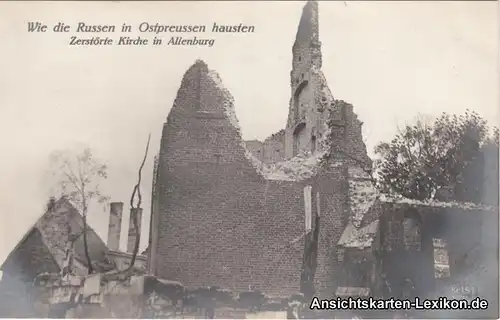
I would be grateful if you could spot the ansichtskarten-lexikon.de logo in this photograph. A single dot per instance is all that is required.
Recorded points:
(441, 303)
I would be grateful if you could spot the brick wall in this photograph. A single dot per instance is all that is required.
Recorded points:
(357, 268)
(305, 118)
(274, 147)
(332, 184)
(462, 230)
(220, 222)
(217, 220)
(354, 146)
(256, 148)
(269, 151)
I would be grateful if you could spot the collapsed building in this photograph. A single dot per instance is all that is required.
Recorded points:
(296, 214)
(54, 244)
(222, 214)
(300, 206)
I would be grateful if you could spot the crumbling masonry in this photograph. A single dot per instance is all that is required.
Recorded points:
(234, 217)
(297, 212)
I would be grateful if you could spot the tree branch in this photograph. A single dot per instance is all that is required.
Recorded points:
(76, 174)
(73, 182)
(137, 190)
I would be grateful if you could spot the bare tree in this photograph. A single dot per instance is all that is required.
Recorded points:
(136, 208)
(78, 177)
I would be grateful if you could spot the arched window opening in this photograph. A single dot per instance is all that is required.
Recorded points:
(297, 134)
(297, 104)
(313, 144)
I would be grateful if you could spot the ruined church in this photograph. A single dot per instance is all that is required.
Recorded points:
(236, 213)
(294, 214)
(297, 212)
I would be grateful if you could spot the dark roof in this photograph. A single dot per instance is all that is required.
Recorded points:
(60, 222)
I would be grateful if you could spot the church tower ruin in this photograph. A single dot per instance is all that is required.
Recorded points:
(228, 213)
(305, 114)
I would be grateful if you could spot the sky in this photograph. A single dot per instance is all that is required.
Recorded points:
(391, 60)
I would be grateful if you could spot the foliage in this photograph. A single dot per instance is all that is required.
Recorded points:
(453, 152)
(78, 176)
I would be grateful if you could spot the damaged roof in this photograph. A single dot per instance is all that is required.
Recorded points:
(302, 166)
(364, 200)
(60, 222)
